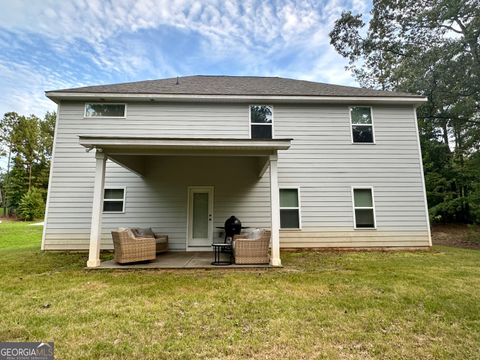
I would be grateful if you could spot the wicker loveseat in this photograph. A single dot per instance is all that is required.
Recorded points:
(252, 247)
(161, 240)
(129, 248)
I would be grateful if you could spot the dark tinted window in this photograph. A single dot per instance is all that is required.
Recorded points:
(113, 206)
(364, 218)
(261, 132)
(362, 134)
(289, 219)
(113, 200)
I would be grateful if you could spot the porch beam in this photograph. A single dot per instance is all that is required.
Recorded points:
(135, 164)
(96, 226)
(263, 165)
(275, 212)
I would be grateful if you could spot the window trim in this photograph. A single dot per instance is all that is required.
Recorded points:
(85, 116)
(299, 208)
(260, 124)
(372, 125)
(124, 188)
(362, 187)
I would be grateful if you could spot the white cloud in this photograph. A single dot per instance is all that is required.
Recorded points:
(251, 34)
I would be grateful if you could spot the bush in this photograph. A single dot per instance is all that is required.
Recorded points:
(31, 205)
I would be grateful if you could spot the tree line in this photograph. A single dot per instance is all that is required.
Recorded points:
(26, 144)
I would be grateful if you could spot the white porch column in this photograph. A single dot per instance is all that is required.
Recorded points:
(275, 212)
(96, 227)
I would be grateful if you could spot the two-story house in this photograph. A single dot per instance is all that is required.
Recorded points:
(320, 165)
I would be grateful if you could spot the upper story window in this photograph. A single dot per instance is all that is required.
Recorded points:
(362, 125)
(105, 110)
(114, 200)
(261, 121)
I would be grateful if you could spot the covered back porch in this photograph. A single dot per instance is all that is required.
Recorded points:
(237, 176)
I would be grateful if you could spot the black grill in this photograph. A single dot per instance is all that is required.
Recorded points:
(233, 226)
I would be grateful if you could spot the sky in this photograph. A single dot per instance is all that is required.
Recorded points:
(55, 44)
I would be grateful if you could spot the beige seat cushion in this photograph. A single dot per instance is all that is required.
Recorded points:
(161, 242)
(161, 239)
(144, 233)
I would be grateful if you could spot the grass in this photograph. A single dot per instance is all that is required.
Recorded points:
(356, 305)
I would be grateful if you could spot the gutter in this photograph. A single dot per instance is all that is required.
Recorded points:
(59, 96)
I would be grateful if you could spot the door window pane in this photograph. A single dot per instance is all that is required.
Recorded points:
(200, 215)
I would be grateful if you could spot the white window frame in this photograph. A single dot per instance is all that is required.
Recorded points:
(299, 208)
(261, 124)
(351, 125)
(85, 116)
(364, 208)
(124, 188)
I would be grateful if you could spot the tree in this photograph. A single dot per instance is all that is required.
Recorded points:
(7, 126)
(432, 48)
(31, 205)
(28, 142)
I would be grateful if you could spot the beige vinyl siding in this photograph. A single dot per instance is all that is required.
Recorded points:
(325, 164)
(160, 198)
(160, 201)
(322, 162)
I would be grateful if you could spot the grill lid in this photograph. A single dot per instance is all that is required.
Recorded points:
(233, 226)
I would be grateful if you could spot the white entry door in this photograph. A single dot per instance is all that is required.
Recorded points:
(200, 217)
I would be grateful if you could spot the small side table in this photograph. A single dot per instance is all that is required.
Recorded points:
(217, 253)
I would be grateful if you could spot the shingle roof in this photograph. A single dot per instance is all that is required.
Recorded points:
(233, 85)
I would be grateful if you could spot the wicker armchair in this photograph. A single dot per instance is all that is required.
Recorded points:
(252, 249)
(129, 248)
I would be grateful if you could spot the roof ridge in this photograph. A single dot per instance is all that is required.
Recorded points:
(233, 85)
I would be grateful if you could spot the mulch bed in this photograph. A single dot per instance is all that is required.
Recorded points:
(457, 235)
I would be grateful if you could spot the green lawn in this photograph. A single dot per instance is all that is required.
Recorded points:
(357, 305)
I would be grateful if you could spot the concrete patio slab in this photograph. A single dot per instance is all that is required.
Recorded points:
(179, 260)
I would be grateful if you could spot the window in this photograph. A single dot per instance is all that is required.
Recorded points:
(364, 209)
(362, 125)
(114, 200)
(105, 110)
(289, 209)
(261, 120)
